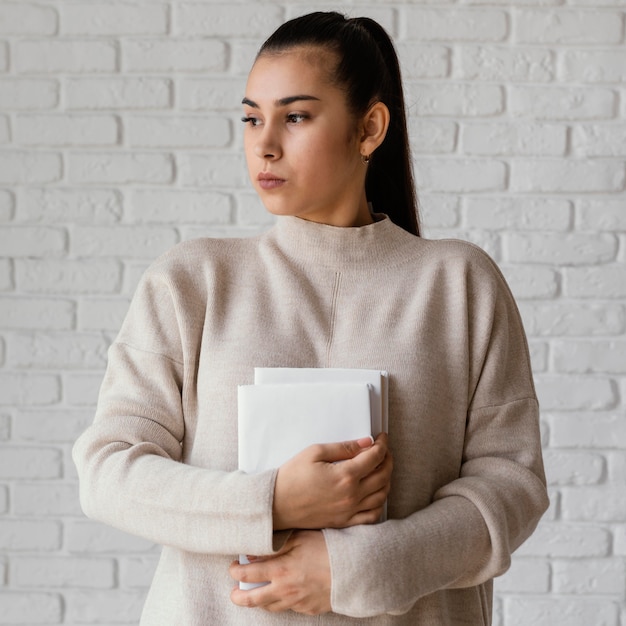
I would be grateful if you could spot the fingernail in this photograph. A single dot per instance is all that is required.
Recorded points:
(365, 442)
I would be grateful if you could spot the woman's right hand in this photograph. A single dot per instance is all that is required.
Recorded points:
(333, 485)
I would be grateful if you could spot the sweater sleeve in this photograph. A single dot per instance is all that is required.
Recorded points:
(473, 524)
(129, 459)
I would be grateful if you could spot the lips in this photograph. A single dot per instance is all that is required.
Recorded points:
(269, 181)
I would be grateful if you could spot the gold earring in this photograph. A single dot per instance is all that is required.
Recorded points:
(365, 158)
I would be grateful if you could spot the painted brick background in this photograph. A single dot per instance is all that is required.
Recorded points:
(119, 137)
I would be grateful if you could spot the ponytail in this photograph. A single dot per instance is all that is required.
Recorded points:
(368, 71)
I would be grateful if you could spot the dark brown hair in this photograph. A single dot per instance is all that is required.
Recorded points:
(368, 71)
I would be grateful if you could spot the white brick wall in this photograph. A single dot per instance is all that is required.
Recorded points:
(119, 137)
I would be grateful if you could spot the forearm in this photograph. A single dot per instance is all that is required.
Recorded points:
(140, 489)
(462, 539)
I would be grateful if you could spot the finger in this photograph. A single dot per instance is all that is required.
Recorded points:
(366, 462)
(341, 451)
(252, 573)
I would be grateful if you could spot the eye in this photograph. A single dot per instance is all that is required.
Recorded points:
(253, 121)
(296, 118)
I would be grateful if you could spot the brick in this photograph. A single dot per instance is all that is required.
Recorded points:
(606, 504)
(226, 20)
(18, 167)
(32, 241)
(567, 27)
(118, 93)
(114, 19)
(94, 206)
(134, 270)
(560, 611)
(423, 61)
(251, 212)
(86, 276)
(432, 136)
(562, 103)
(110, 606)
(525, 576)
(102, 314)
(506, 64)
(213, 170)
(32, 463)
(96, 538)
(585, 357)
(59, 350)
(122, 241)
(120, 168)
(605, 214)
(26, 93)
(6, 275)
(454, 100)
(4, 56)
(7, 205)
(591, 576)
(183, 206)
(52, 425)
(64, 56)
(214, 94)
(5, 133)
(531, 282)
(242, 55)
(517, 138)
(64, 572)
(19, 18)
(557, 539)
(439, 211)
(37, 313)
(5, 427)
(31, 608)
(559, 248)
(81, 390)
(137, 572)
(576, 176)
(584, 430)
(28, 389)
(564, 467)
(455, 25)
(29, 535)
(575, 393)
(538, 356)
(598, 140)
(178, 132)
(174, 55)
(593, 66)
(4, 508)
(49, 500)
(458, 175)
(595, 282)
(486, 240)
(515, 214)
(66, 130)
(574, 319)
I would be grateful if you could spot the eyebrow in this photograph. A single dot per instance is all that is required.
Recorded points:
(282, 102)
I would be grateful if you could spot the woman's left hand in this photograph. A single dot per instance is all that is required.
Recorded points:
(298, 575)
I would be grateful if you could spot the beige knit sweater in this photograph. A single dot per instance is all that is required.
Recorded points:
(468, 486)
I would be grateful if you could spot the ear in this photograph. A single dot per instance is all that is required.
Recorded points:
(374, 128)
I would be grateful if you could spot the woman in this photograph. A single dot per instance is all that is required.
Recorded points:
(333, 284)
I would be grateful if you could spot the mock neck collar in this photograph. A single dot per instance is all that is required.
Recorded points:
(381, 243)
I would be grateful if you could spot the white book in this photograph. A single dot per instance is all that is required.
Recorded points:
(277, 421)
(377, 379)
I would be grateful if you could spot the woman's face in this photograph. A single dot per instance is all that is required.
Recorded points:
(301, 141)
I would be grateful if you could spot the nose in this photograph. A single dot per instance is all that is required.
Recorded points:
(267, 145)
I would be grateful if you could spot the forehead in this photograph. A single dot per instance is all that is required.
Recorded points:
(297, 70)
